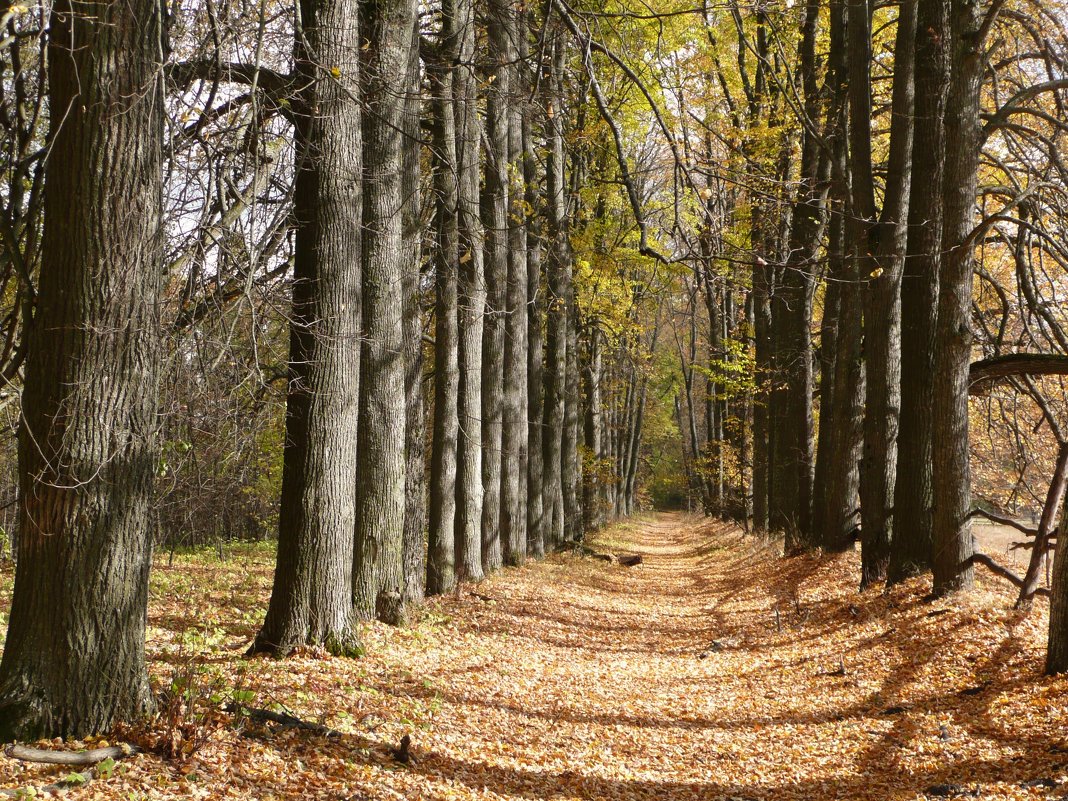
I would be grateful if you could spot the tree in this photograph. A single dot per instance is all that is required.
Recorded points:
(472, 298)
(378, 576)
(311, 601)
(74, 659)
(441, 547)
(514, 446)
(914, 499)
(495, 207)
(951, 470)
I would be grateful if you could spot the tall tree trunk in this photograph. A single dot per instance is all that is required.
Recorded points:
(593, 424)
(380, 491)
(1057, 651)
(558, 258)
(495, 221)
(882, 314)
(829, 325)
(311, 601)
(514, 440)
(441, 548)
(472, 294)
(414, 550)
(74, 658)
(952, 474)
(535, 305)
(792, 315)
(914, 496)
(842, 416)
(763, 275)
(571, 446)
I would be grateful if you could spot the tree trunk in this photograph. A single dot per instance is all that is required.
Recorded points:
(914, 497)
(74, 657)
(842, 415)
(441, 548)
(472, 294)
(414, 550)
(311, 601)
(514, 440)
(1057, 651)
(571, 469)
(952, 474)
(556, 323)
(495, 221)
(535, 294)
(762, 287)
(593, 424)
(882, 315)
(380, 491)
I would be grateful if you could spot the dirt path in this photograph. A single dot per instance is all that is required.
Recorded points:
(574, 679)
(676, 680)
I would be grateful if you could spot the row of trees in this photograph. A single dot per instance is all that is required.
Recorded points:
(431, 176)
(476, 252)
(891, 155)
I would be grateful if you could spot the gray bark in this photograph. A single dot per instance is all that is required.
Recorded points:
(441, 548)
(415, 514)
(311, 601)
(380, 491)
(882, 314)
(535, 476)
(514, 437)
(495, 223)
(559, 266)
(472, 300)
(74, 659)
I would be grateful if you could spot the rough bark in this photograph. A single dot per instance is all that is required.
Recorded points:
(558, 264)
(514, 438)
(311, 601)
(952, 474)
(914, 495)
(882, 315)
(593, 424)
(380, 490)
(1057, 651)
(74, 659)
(535, 298)
(415, 504)
(441, 548)
(472, 300)
(571, 445)
(762, 287)
(495, 223)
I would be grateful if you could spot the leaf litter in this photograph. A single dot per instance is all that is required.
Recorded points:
(713, 670)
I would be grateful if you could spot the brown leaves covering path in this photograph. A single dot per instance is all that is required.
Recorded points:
(574, 679)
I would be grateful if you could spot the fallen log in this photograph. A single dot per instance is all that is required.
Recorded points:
(89, 759)
(76, 758)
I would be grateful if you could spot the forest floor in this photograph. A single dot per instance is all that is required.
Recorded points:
(700, 674)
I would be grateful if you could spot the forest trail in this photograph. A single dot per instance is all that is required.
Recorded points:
(571, 678)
